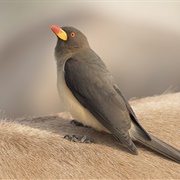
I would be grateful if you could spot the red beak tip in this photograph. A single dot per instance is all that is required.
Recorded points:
(55, 29)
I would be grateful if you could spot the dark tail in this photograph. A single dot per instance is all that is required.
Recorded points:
(158, 145)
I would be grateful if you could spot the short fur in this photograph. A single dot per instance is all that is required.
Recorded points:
(32, 148)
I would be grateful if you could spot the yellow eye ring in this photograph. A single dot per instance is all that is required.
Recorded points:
(72, 34)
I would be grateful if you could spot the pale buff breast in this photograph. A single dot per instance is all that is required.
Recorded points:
(73, 106)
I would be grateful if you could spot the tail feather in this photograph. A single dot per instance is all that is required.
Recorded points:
(159, 146)
(125, 138)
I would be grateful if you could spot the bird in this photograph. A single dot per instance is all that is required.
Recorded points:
(89, 92)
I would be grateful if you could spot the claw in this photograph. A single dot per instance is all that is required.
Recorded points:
(74, 138)
(76, 123)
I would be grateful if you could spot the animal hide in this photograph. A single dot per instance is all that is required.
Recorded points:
(34, 147)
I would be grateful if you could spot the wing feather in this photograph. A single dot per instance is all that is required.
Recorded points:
(93, 86)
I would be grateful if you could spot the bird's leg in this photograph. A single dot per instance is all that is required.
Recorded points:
(85, 139)
(82, 139)
(77, 123)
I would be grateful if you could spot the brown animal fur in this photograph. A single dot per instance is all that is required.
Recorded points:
(32, 148)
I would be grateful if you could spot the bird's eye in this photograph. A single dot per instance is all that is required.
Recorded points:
(72, 34)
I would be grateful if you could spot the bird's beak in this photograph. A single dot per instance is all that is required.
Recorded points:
(59, 32)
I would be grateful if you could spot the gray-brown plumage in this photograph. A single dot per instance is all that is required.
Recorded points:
(92, 96)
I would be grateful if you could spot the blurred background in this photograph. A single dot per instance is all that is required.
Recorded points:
(138, 41)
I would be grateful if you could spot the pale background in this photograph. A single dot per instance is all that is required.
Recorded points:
(138, 41)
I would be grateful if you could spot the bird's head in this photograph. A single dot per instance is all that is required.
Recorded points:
(70, 40)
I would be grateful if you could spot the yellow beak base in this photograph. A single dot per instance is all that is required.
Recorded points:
(62, 35)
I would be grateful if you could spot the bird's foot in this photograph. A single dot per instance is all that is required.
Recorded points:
(82, 139)
(76, 123)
